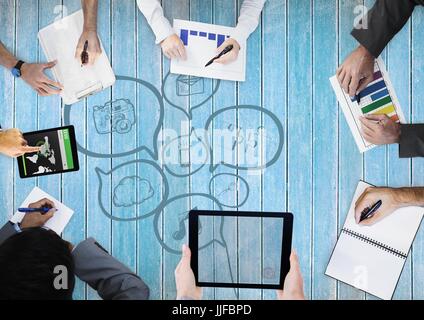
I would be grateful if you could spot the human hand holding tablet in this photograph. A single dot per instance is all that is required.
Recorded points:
(57, 153)
(275, 254)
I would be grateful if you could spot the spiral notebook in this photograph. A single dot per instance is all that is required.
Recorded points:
(372, 258)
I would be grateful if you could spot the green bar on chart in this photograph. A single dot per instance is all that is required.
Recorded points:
(377, 104)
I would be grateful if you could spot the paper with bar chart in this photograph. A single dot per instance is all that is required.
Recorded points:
(201, 41)
(378, 97)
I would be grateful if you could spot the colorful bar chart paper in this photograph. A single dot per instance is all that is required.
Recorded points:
(377, 98)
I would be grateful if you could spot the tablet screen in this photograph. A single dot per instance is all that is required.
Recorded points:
(57, 153)
(246, 251)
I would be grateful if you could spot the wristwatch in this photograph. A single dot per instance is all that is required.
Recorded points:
(16, 70)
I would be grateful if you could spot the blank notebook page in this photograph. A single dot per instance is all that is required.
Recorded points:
(371, 258)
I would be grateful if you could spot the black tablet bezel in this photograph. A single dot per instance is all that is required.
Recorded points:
(73, 147)
(285, 249)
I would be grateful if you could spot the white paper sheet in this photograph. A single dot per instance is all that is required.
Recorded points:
(60, 219)
(59, 41)
(201, 41)
(352, 110)
(368, 267)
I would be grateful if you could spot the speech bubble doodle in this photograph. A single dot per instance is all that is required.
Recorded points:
(226, 184)
(132, 191)
(227, 141)
(176, 89)
(184, 155)
(117, 117)
(176, 234)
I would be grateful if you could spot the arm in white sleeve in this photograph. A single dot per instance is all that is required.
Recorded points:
(153, 12)
(248, 20)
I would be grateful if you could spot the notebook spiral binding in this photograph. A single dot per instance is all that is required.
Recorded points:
(375, 243)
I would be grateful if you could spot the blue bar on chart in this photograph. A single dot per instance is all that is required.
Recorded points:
(219, 38)
(379, 94)
(184, 36)
(371, 89)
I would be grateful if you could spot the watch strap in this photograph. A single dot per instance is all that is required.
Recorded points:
(19, 65)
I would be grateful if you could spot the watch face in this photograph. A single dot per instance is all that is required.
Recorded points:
(16, 72)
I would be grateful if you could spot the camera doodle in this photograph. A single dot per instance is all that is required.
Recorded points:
(114, 116)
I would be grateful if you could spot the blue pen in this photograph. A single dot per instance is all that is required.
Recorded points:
(42, 210)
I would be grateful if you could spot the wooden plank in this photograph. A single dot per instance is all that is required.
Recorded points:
(124, 61)
(26, 100)
(201, 10)
(375, 160)
(325, 170)
(7, 96)
(174, 9)
(417, 116)
(149, 69)
(225, 14)
(350, 160)
(98, 225)
(399, 170)
(300, 131)
(249, 93)
(275, 100)
(74, 183)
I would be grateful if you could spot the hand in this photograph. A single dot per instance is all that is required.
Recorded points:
(173, 48)
(370, 196)
(94, 49)
(356, 72)
(13, 144)
(36, 219)
(293, 284)
(184, 278)
(230, 56)
(33, 74)
(385, 131)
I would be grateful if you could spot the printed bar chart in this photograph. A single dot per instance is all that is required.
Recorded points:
(378, 98)
(219, 38)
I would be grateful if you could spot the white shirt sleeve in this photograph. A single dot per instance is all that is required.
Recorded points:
(153, 12)
(248, 20)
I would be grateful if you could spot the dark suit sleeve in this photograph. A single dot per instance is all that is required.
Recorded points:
(385, 19)
(110, 278)
(6, 232)
(411, 142)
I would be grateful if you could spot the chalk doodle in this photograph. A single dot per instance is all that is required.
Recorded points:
(114, 116)
(138, 189)
(176, 90)
(123, 197)
(154, 114)
(132, 190)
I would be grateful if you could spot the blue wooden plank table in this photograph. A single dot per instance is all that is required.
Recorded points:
(133, 197)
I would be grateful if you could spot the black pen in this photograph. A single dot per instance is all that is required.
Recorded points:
(369, 212)
(225, 51)
(84, 54)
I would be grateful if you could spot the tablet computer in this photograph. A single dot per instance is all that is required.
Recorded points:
(240, 249)
(58, 153)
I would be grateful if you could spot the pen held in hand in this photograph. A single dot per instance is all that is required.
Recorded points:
(84, 54)
(370, 211)
(225, 51)
(42, 210)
